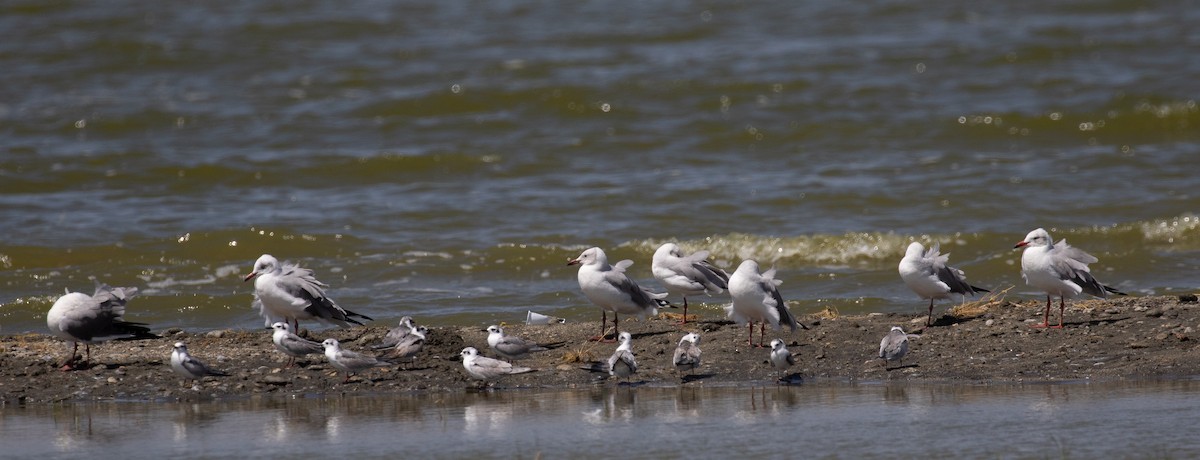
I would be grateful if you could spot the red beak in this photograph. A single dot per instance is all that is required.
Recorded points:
(250, 276)
(1021, 244)
(573, 262)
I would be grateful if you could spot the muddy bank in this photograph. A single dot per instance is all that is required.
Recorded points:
(1125, 338)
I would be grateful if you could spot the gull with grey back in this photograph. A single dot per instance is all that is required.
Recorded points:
(609, 288)
(77, 317)
(687, 275)
(285, 292)
(926, 273)
(1060, 270)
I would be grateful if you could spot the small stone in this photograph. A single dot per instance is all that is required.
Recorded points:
(1154, 313)
(112, 380)
(1112, 311)
(274, 379)
(1188, 298)
(219, 333)
(989, 322)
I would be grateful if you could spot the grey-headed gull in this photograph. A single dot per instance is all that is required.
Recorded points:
(1060, 270)
(188, 366)
(510, 346)
(285, 292)
(687, 353)
(894, 346)
(396, 334)
(349, 362)
(687, 275)
(608, 287)
(408, 347)
(622, 364)
(293, 345)
(486, 369)
(77, 317)
(926, 273)
(756, 298)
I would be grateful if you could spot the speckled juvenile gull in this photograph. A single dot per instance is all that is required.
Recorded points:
(486, 369)
(188, 366)
(894, 346)
(687, 275)
(1060, 270)
(293, 345)
(926, 273)
(687, 353)
(348, 361)
(77, 317)
(396, 334)
(756, 298)
(608, 287)
(511, 347)
(285, 292)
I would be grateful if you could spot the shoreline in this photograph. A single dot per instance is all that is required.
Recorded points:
(989, 341)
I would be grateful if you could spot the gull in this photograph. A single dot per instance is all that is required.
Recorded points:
(687, 353)
(687, 275)
(621, 363)
(396, 334)
(485, 369)
(348, 361)
(188, 366)
(756, 298)
(293, 345)
(408, 347)
(608, 287)
(926, 273)
(77, 317)
(894, 346)
(781, 358)
(289, 293)
(1058, 269)
(511, 347)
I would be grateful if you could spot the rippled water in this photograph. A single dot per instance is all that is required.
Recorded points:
(1111, 420)
(445, 159)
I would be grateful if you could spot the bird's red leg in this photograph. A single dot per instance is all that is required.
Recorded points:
(684, 321)
(1046, 320)
(603, 326)
(1062, 306)
(929, 319)
(750, 337)
(762, 332)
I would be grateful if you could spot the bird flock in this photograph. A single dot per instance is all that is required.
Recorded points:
(285, 294)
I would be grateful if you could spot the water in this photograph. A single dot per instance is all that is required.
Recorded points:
(445, 159)
(1077, 420)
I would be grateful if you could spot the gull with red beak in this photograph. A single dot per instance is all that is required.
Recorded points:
(1060, 270)
(288, 293)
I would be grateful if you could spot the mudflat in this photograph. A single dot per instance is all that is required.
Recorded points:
(1109, 339)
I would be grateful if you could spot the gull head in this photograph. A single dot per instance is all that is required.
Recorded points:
(667, 249)
(330, 344)
(265, 263)
(1035, 238)
(776, 345)
(279, 326)
(589, 257)
(897, 328)
(469, 352)
(691, 337)
(180, 347)
(494, 329)
(915, 250)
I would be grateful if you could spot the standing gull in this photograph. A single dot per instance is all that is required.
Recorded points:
(348, 361)
(77, 317)
(926, 273)
(687, 275)
(687, 353)
(608, 287)
(408, 347)
(509, 346)
(894, 346)
(1060, 270)
(293, 345)
(781, 358)
(485, 369)
(621, 364)
(756, 298)
(289, 293)
(396, 334)
(188, 366)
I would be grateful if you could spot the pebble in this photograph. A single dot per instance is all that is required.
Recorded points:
(989, 322)
(112, 380)
(219, 333)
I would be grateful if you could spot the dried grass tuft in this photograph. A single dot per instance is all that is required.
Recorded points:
(980, 306)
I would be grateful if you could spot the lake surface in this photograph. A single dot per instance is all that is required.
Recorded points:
(1073, 420)
(445, 159)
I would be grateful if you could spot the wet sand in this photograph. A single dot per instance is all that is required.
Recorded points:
(1113, 339)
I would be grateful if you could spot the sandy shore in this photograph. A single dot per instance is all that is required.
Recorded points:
(1122, 338)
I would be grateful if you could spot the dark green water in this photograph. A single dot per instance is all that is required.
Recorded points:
(444, 159)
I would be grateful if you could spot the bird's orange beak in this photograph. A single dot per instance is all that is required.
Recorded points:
(250, 276)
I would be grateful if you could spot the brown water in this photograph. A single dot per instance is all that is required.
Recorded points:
(444, 159)
(1152, 419)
